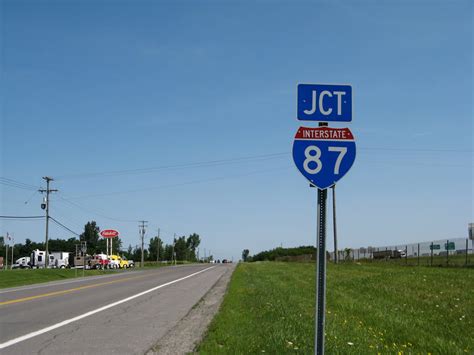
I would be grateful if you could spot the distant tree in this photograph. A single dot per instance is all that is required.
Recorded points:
(279, 252)
(128, 252)
(347, 253)
(68, 245)
(156, 249)
(180, 248)
(168, 253)
(245, 254)
(137, 254)
(91, 236)
(192, 244)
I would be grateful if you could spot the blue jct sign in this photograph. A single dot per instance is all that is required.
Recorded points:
(324, 155)
(324, 103)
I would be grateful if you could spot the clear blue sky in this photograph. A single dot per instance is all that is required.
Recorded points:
(97, 86)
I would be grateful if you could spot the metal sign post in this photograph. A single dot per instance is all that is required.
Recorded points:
(320, 273)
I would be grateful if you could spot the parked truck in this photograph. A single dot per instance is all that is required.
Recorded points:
(80, 261)
(38, 259)
(99, 261)
(22, 263)
(59, 260)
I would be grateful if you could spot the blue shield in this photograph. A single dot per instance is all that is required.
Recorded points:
(324, 155)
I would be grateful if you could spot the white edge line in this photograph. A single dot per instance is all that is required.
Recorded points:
(87, 314)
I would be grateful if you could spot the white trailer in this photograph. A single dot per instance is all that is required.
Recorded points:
(59, 260)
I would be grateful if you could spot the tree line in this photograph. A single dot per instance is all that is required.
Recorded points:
(182, 248)
(271, 255)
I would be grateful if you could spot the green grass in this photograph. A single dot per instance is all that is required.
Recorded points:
(19, 277)
(371, 308)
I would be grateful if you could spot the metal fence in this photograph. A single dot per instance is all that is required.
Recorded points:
(446, 252)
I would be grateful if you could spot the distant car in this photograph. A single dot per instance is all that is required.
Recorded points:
(224, 261)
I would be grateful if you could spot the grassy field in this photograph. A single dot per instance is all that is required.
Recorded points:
(371, 309)
(19, 277)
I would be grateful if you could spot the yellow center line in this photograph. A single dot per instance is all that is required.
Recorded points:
(24, 299)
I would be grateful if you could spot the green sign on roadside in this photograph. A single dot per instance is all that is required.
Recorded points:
(449, 246)
(435, 246)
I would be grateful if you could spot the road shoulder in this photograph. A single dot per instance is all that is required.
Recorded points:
(187, 334)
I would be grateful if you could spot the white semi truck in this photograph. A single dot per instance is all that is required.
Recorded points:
(60, 259)
(56, 259)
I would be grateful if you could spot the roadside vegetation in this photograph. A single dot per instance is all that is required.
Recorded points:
(22, 277)
(371, 309)
(306, 253)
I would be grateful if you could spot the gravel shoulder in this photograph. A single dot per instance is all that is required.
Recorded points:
(187, 334)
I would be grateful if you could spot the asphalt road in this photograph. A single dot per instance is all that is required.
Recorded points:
(123, 313)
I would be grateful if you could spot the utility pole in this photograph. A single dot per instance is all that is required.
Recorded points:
(334, 222)
(158, 247)
(173, 255)
(6, 251)
(13, 244)
(48, 191)
(142, 236)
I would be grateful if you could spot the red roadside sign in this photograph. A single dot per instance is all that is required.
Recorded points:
(109, 233)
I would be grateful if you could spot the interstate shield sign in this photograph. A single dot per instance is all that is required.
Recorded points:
(323, 154)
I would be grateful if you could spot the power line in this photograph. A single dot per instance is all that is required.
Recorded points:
(21, 217)
(233, 176)
(242, 159)
(63, 226)
(29, 199)
(17, 184)
(74, 204)
(419, 150)
(72, 221)
(176, 166)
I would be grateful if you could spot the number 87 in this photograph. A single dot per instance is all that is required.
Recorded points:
(316, 158)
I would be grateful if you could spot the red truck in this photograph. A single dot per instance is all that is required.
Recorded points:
(99, 261)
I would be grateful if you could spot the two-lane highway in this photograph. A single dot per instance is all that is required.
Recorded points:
(123, 313)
